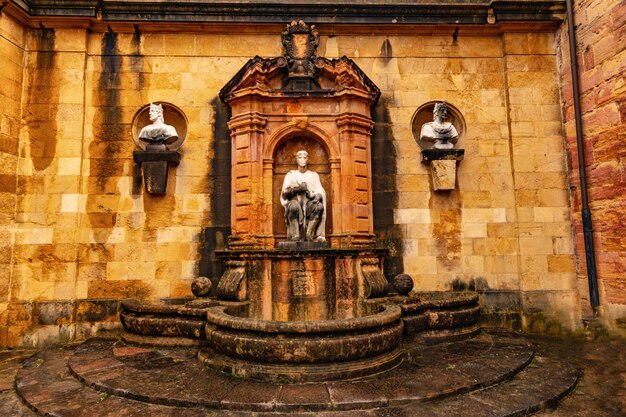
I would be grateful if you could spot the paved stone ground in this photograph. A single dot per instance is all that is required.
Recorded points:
(601, 391)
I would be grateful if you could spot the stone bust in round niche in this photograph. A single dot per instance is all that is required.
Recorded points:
(437, 125)
(159, 125)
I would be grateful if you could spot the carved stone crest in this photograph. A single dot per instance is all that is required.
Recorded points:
(300, 42)
(302, 284)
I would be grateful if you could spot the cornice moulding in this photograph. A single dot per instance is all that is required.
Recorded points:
(338, 12)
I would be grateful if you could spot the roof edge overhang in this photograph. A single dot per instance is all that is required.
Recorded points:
(339, 13)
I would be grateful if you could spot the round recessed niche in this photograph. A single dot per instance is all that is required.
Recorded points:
(172, 115)
(424, 114)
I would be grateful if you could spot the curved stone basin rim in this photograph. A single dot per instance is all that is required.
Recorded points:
(219, 316)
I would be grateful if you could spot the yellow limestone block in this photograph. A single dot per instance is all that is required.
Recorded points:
(444, 174)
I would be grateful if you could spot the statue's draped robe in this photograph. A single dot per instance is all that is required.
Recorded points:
(432, 132)
(293, 179)
(158, 133)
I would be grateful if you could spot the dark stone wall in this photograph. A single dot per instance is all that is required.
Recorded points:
(43, 101)
(384, 189)
(215, 236)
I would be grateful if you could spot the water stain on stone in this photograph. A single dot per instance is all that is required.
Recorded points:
(474, 284)
(106, 150)
(137, 62)
(384, 189)
(447, 232)
(43, 101)
(214, 237)
(138, 67)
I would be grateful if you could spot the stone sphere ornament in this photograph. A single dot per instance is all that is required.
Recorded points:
(201, 286)
(402, 283)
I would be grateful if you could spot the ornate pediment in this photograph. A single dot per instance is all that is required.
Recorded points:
(299, 72)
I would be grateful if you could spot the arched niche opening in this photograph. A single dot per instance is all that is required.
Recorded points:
(284, 161)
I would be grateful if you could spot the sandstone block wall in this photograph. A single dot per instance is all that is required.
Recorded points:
(11, 78)
(601, 46)
(507, 227)
(82, 234)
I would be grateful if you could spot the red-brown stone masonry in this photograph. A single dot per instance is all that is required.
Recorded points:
(601, 46)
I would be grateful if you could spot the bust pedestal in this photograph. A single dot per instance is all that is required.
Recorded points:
(443, 164)
(155, 167)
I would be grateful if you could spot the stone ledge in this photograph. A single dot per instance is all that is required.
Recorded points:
(343, 11)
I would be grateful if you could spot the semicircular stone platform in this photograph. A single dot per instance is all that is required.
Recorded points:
(485, 376)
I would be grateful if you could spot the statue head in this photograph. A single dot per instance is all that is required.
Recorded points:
(440, 111)
(302, 158)
(156, 111)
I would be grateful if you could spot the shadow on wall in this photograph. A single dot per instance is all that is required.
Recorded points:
(385, 191)
(215, 236)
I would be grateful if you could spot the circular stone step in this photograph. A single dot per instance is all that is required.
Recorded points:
(454, 379)
(176, 377)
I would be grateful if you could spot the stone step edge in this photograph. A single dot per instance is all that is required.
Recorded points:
(538, 403)
(330, 406)
(541, 405)
(39, 409)
(479, 386)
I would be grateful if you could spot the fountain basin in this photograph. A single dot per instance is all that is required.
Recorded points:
(302, 351)
(437, 317)
(173, 324)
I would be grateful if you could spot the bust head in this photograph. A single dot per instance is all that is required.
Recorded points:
(440, 112)
(156, 112)
(157, 133)
(302, 158)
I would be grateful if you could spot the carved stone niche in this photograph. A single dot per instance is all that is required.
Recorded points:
(272, 117)
(438, 141)
(279, 106)
(158, 150)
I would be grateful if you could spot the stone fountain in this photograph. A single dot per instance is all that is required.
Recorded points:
(303, 297)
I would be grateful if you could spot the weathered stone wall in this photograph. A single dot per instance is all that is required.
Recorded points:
(12, 58)
(506, 229)
(601, 46)
(547, 271)
(86, 235)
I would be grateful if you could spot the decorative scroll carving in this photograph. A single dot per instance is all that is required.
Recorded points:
(232, 285)
(375, 282)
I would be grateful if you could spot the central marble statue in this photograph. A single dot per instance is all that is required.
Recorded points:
(304, 200)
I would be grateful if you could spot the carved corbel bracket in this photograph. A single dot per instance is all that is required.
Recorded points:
(155, 167)
(232, 285)
(443, 164)
(374, 281)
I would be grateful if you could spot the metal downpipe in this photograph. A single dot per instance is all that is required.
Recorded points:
(590, 254)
